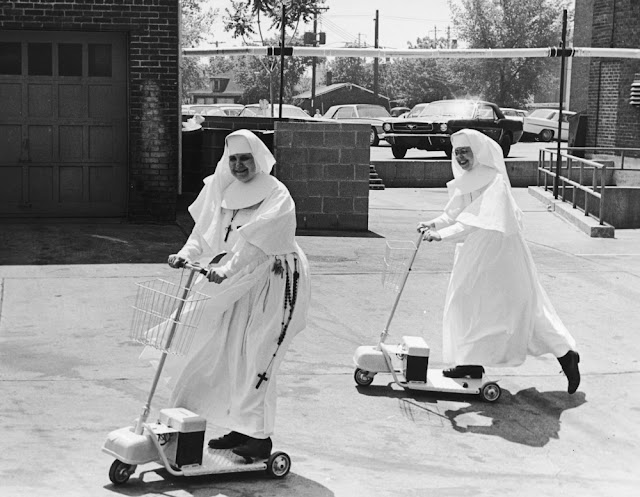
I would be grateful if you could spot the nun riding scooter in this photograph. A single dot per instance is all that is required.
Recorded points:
(408, 361)
(165, 318)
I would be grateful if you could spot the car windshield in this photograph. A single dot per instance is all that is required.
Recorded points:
(415, 112)
(543, 113)
(373, 112)
(286, 112)
(455, 109)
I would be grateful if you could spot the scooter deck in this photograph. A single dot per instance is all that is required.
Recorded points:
(217, 461)
(436, 382)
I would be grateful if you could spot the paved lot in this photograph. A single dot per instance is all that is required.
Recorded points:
(69, 374)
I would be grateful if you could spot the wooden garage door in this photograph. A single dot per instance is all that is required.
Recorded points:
(63, 127)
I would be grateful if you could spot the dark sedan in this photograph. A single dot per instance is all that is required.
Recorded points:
(429, 126)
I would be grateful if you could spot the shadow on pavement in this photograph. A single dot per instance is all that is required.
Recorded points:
(88, 243)
(529, 417)
(227, 485)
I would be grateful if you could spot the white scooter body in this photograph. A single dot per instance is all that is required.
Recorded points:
(179, 434)
(407, 362)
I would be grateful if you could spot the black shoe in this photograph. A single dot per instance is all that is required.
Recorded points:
(254, 448)
(229, 441)
(474, 372)
(569, 363)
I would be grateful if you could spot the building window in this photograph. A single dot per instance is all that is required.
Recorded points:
(39, 59)
(70, 59)
(99, 60)
(10, 58)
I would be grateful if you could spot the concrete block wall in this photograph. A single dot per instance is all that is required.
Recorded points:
(436, 174)
(325, 166)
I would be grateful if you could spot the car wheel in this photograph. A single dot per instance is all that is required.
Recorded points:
(545, 135)
(398, 152)
(373, 138)
(505, 144)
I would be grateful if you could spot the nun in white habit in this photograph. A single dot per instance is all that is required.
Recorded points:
(258, 303)
(496, 311)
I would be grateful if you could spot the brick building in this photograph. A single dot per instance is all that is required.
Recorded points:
(601, 88)
(90, 125)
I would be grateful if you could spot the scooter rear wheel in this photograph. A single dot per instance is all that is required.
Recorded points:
(278, 465)
(490, 392)
(119, 472)
(362, 378)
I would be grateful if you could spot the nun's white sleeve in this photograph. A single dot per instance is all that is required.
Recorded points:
(244, 254)
(193, 248)
(456, 231)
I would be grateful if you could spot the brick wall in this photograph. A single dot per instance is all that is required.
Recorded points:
(326, 169)
(612, 121)
(153, 35)
(579, 89)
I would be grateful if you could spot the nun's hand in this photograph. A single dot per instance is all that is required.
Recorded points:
(425, 225)
(175, 261)
(432, 236)
(214, 277)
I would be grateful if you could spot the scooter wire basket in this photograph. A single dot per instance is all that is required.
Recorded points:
(397, 263)
(166, 315)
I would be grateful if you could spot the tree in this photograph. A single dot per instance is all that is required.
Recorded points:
(245, 20)
(421, 80)
(195, 29)
(507, 24)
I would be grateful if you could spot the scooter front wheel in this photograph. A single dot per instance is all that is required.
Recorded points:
(278, 465)
(119, 472)
(362, 378)
(490, 392)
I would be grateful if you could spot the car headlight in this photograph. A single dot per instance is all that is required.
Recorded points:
(386, 127)
(443, 127)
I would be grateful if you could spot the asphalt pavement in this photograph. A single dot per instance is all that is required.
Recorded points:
(69, 374)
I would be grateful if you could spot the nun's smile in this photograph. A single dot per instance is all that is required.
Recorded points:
(464, 157)
(242, 166)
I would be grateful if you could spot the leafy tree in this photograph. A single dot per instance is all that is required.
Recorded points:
(421, 80)
(196, 26)
(492, 24)
(355, 70)
(245, 19)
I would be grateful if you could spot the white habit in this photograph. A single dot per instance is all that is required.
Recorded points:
(239, 331)
(496, 311)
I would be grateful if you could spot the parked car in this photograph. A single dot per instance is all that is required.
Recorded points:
(542, 124)
(399, 111)
(429, 126)
(289, 111)
(361, 113)
(517, 114)
(212, 109)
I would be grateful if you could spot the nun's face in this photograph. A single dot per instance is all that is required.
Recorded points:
(243, 167)
(464, 157)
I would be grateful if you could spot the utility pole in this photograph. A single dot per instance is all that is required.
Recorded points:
(313, 64)
(375, 61)
(563, 46)
(281, 63)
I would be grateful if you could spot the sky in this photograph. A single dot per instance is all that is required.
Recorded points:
(352, 21)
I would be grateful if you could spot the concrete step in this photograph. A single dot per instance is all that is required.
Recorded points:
(375, 182)
(576, 217)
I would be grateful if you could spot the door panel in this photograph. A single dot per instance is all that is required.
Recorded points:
(63, 125)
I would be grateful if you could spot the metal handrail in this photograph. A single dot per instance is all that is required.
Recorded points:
(598, 181)
(608, 149)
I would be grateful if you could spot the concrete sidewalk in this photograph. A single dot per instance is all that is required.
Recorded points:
(69, 374)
